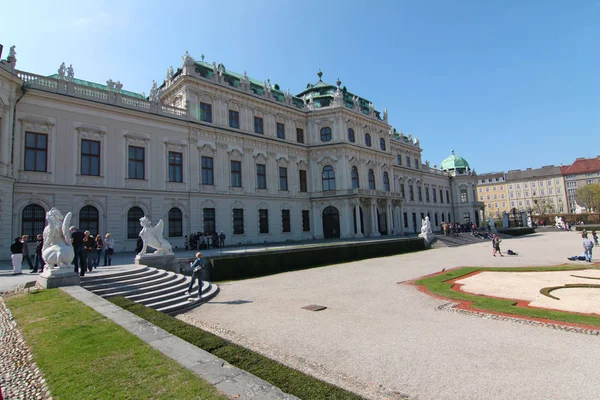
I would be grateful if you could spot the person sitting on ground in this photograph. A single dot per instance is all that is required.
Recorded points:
(511, 253)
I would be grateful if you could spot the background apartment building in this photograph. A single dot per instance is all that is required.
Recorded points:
(583, 171)
(493, 192)
(537, 191)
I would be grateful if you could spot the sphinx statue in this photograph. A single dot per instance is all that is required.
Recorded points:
(57, 250)
(153, 237)
(426, 225)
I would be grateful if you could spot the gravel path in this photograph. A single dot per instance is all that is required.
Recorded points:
(389, 341)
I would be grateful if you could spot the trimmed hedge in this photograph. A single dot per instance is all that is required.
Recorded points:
(517, 231)
(588, 228)
(274, 262)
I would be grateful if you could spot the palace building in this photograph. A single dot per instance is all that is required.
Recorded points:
(213, 150)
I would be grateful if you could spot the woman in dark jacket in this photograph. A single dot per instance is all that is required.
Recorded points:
(17, 255)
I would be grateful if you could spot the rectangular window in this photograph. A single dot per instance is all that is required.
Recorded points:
(259, 125)
(283, 182)
(463, 196)
(405, 218)
(303, 185)
(416, 163)
(236, 173)
(420, 193)
(234, 119)
(261, 176)
(434, 193)
(305, 221)
(238, 221)
(299, 135)
(408, 162)
(90, 157)
(441, 196)
(209, 221)
(549, 182)
(208, 177)
(280, 130)
(36, 152)
(427, 194)
(285, 221)
(136, 162)
(399, 159)
(175, 167)
(448, 196)
(263, 221)
(402, 193)
(205, 112)
(411, 192)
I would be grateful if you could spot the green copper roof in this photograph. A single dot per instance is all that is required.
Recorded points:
(101, 87)
(454, 162)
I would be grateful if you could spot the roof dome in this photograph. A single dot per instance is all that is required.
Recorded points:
(454, 162)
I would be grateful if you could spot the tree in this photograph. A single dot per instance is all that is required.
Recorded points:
(589, 196)
(543, 206)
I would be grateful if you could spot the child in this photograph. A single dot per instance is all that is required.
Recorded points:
(595, 237)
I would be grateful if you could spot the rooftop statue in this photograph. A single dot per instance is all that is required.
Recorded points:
(154, 92)
(61, 71)
(385, 114)
(70, 73)
(57, 250)
(356, 104)
(110, 84)
(118, 86)
(245, 78)
(371, 108)
(12, 54)
(153, 237)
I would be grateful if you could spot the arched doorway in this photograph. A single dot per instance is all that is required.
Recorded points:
(331, 223)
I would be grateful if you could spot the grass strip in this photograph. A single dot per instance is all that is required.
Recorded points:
(84, 355)
(287, 379)
(439, 285)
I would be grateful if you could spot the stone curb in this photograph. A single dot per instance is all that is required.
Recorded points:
(230, 380)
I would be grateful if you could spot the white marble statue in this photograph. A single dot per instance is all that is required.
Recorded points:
(12, 54)
(57, 250)
(61, 71)
(426, 225)
(529, 222)
(70, 73)
(153, 237)
(118, 86)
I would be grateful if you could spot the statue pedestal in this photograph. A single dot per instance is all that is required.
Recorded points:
(167, 262)
(57, 277)
(428, 236)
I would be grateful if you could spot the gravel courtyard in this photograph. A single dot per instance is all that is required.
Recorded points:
(386, 340)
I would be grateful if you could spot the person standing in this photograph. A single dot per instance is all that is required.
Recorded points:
(26, 257)
(99, 250)
(89, 246)
(16, 250)
(109, 249)
(221, 240)
(80, 261)
(595, 237)
(588, 246)
(39, 262)
(496, 245)
(197, 268)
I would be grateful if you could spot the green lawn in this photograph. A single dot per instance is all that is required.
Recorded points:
(439, 285)
(84, 355)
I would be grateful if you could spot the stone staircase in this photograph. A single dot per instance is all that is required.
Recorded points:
(162, 290)
(460, 240)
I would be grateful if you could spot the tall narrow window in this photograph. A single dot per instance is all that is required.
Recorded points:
(280, 130)
(205, 112)
(136, 162)
(405, 218)
(441, 196)
(417, 163)
(433, 192)
(399, 159)
(234, 119)
(325, 134)
(448, 198)
(305, 221)
(36, 151)
(386, 181)
(463, 196)
(208, 215)
(411, 193)
(283, 181)
(236, 173)
(299, 135)
(32, 220)
(133, 222)
(238, 221)
(175, 167)
(382, 144)
(175, 222)
(263, 221)
(408, 161)
(420, 193)
(367, 140)
(351, 137)
(328, 178)
(207, 171)
(89, 220)
(371, 180)
(402, 192)
(261, 176)
(427, 194)
(259, 125)
(285, 221)
(90, 157)
(355, 181)
(303, 184)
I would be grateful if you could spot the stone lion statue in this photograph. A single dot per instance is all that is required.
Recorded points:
(153, 237)
(57, 250)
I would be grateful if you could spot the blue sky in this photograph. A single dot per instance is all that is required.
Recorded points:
(507, 84)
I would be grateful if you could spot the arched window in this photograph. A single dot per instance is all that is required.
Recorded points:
(368, 140)
(89, 220)
(386, 181)
(328, 178)
(133, 222)
(382, 144)
(175, 222)
(351, 137)
(32, 221)
(371, 180)
(355, 181)
(325, 134)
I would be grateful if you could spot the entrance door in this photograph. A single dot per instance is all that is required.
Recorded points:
(331, 223)
(382, 219)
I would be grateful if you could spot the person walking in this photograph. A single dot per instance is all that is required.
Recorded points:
(39, 262)
(26, 257)
(588, 246)
(496, 245)
(109, 249)
(16, 250)
(595, 237)
(89, 246)
(80, 260)
(197, 269)
(99, 250)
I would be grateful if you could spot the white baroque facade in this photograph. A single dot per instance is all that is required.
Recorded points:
(212, 150)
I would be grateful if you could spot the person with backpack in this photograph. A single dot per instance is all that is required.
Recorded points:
(197, 271)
